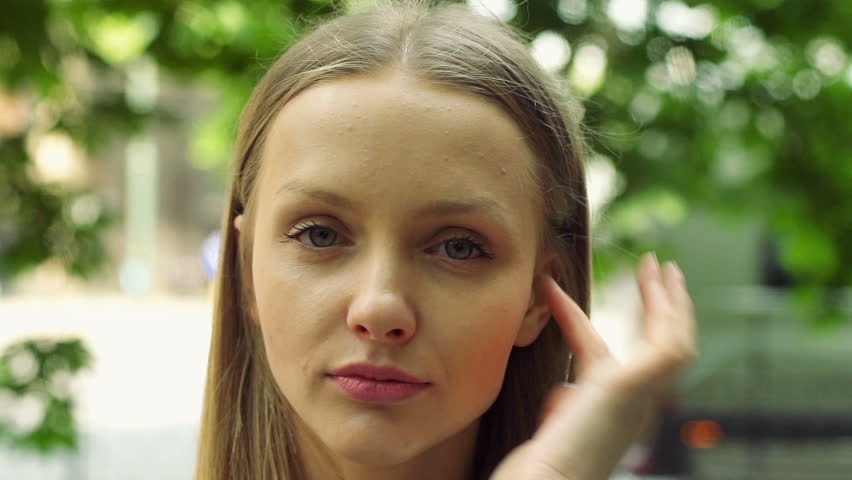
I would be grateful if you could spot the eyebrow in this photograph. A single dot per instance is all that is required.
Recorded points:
(482, 204)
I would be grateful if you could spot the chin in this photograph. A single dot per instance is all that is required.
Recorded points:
(380, 452)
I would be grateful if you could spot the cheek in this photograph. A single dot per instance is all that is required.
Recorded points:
(284, 307)
(477, 354)
(483, 335)
(273, 291)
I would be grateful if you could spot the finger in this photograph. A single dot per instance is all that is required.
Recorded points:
(654, 368)
(576, 327)
(653, 293)
(669, 325)
(675, 284)
(656, 305)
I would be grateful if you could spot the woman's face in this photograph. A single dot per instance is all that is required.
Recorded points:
(395, 224)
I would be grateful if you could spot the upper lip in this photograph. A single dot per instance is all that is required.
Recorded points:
(375, 372)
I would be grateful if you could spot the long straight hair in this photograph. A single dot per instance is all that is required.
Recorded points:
(246, 428)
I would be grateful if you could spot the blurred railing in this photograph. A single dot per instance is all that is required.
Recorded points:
(771, 397)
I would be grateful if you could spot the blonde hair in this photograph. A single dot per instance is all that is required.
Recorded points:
(246, 432)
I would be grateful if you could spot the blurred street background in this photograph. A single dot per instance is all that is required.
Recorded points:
(719, 136)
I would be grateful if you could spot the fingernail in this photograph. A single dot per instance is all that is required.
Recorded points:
(656, 261)
(678, 271)
(670, 265)
(553, 282)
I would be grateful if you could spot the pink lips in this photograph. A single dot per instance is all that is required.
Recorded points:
(371, 383)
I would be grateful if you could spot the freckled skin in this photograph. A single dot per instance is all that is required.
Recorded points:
(389, 293)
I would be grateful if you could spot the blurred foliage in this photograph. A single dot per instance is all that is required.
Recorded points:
(736, 107)
(36, 222)
(37, 406)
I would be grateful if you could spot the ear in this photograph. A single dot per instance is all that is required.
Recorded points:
(538, 313)
(238, 223)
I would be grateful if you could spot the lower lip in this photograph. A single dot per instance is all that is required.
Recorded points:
(376, 391)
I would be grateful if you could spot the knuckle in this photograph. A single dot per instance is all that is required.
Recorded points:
(678, 355)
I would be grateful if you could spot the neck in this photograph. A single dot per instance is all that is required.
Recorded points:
(451, 459)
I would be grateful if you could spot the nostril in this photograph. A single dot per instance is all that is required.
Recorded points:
(396, 332)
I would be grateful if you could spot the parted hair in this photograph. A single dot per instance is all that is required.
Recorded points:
(246, 429)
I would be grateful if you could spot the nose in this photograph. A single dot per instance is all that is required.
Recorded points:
(380, 311)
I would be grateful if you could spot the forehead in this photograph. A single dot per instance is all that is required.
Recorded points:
(391, 137)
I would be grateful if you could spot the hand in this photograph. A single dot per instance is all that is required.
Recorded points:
(586, 427)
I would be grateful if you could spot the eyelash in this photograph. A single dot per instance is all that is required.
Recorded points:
(308, 226)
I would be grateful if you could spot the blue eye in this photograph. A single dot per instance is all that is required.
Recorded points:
(319, 236)
(458, 248)
(463, 248)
